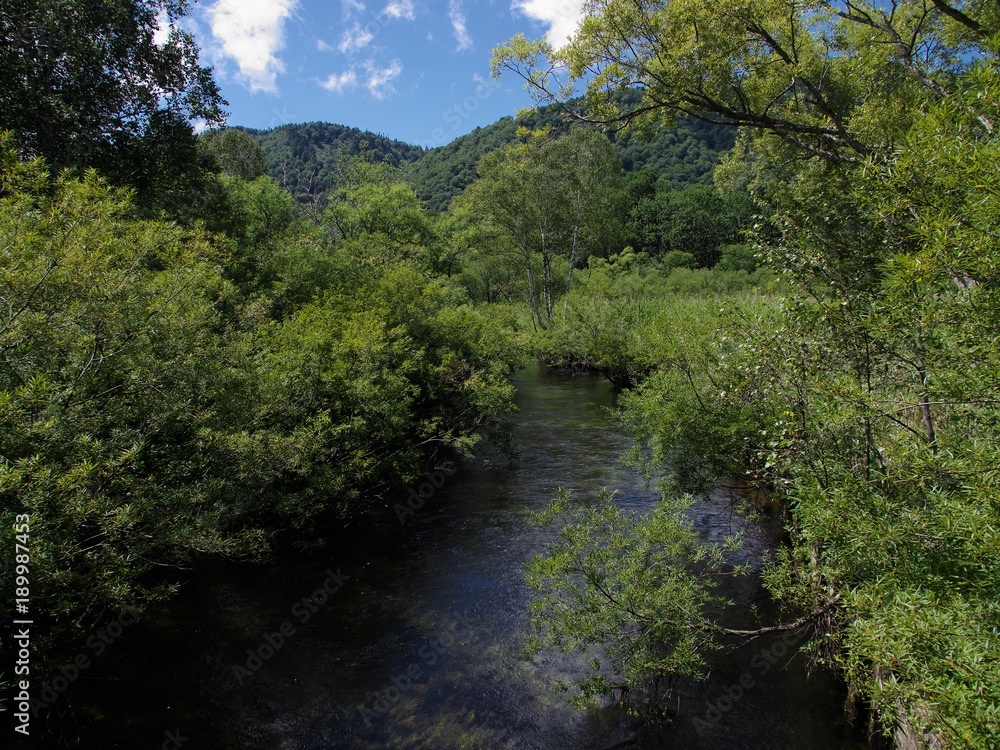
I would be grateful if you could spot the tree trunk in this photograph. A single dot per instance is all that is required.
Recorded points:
(925, 406)
(532, 296)
(546, 279)
(572, 260)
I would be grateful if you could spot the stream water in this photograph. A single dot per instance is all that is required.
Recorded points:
(409, 634)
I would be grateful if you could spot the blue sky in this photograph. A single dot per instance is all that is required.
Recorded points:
(414, 70)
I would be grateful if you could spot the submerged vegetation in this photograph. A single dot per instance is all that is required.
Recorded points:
(194, 361)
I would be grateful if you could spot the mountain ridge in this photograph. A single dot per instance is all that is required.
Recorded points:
(302, 157)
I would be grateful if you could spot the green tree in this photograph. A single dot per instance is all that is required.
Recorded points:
(507, 197)
(697, 220)
(165, 392)
(236, 153)
(589, 168)
(492, 270)
(375, 214)
(802, 73)
(111, 356)
(869, 403)
(550, 197)
(642, 603)
(87, 85)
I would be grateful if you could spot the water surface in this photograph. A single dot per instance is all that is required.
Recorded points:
(417, 640)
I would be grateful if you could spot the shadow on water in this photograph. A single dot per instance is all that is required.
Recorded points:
(415, 642)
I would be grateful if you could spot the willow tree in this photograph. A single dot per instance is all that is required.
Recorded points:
(838, 79)
(869, 400)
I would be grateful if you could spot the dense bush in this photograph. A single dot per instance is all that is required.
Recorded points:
(164, 391)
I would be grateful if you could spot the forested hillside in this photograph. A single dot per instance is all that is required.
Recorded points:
(303, 157)
(680, 156)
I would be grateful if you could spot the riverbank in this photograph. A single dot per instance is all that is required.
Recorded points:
(420, 645)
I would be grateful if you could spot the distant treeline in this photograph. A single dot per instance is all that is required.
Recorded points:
(303, 157)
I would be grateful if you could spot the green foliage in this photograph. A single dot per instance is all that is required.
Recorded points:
(605, 323)
(596, 334)
(622, 589)
(923, 589)
(677, 259)
(352, 393)
(867, 402)
(85, 85)
(164, 391)
(258, 223)
(717, 281)
(554, 197)
(697, 220)
(737, 258)
(374, 216)
(305, 158)
(110, 358)
(800, 75)
(678, 156)
(235, 153)
(707, 407)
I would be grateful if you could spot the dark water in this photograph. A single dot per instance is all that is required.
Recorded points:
(419, 643)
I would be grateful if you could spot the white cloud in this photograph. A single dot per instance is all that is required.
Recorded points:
(375, 78)
(458, 25)
(340, 83)
(163, 28)
(350, 6)
(200, 126)
(563, 17)
(323, 46)
(379, 83)
(400, 9)
(355, 38)
(250, 32)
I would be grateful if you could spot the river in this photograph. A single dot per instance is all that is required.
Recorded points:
(416, 639)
